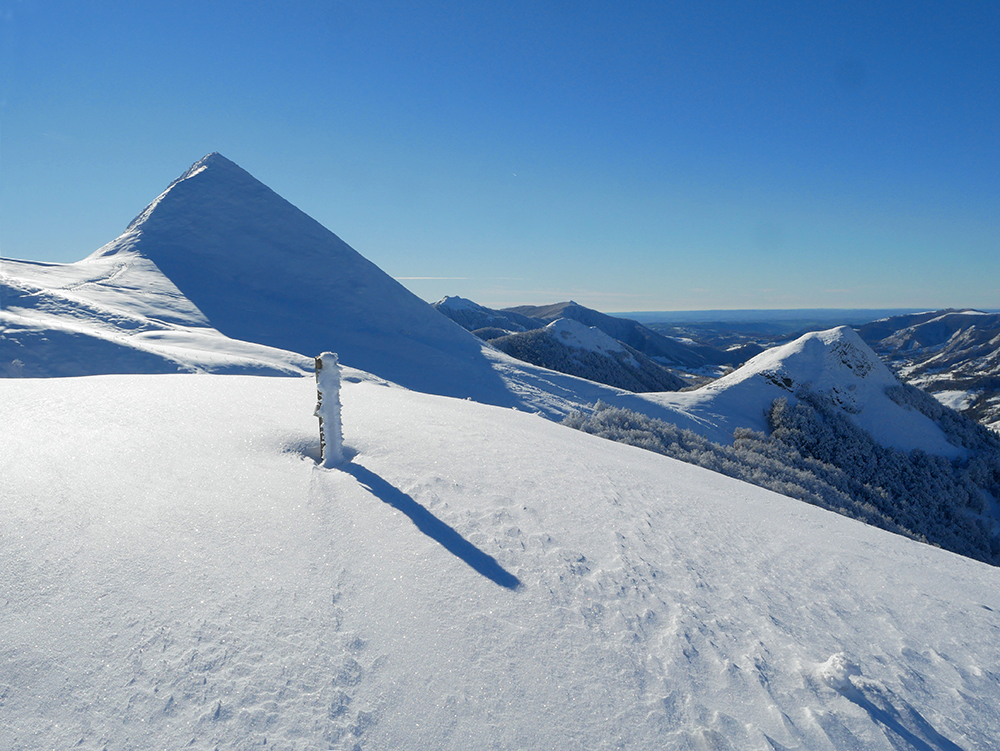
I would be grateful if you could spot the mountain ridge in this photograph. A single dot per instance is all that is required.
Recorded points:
(953, 354)
(835, 363)
(663, 349)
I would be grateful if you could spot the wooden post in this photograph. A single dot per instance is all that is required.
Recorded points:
(331, 438)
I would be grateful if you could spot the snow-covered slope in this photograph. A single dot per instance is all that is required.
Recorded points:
(835, 363)
(178, 573)
(590, 338)
(86, 319)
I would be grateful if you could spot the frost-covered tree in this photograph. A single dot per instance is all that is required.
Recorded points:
(817, 454)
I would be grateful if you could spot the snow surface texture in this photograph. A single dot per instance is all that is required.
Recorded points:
(180, 572)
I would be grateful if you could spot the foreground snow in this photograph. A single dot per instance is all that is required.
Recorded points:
(179, 571)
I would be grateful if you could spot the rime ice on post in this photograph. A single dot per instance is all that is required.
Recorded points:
(331, 435)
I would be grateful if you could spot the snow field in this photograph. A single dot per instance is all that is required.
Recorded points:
(180, 571)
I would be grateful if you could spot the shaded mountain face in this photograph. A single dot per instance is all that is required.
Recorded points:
(876, 331)
(472, 316)
(674, 353)
(952, 354)
(260, 270)
(565, 345)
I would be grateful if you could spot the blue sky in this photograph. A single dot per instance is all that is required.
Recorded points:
(630, 156)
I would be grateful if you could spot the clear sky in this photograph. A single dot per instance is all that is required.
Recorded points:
(629, 155)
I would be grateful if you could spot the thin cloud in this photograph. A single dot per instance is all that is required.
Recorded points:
(461, 278)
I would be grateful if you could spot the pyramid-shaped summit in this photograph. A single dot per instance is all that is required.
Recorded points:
(263, 271)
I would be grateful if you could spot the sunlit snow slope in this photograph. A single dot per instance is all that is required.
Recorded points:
(835, 363)
(117, 314)
(177, 571)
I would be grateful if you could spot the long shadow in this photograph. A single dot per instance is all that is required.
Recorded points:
(891, 719)
(433, 527)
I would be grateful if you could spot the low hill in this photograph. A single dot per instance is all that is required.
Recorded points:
(823, 420)
(834, 363)
(670, 352)
(570, 347)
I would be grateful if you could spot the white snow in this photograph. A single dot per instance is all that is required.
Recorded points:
(118, 314)
(834, 362)
(956, 399)
(590, 338)
(179, 572)
(454, 302)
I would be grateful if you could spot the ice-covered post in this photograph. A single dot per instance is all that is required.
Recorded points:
(331, 432)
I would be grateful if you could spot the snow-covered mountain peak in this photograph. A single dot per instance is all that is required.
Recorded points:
(261, 270)
(454, 302)
(575, 334)
(835, 361)
(835, 364)
(215, 160)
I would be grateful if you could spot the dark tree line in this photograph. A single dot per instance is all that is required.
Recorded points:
(815, 453)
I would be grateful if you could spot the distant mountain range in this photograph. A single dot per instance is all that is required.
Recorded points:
(569, 346)
(521, 333)
(953, 354)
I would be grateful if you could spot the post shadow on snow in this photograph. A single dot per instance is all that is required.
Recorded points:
(433, 527)
(894, 722)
